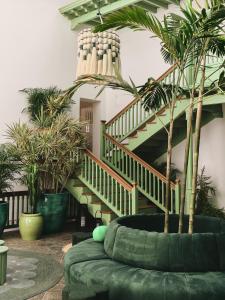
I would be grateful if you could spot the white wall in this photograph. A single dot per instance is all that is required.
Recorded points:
(212, 149)
(141, 59)
(37, 50)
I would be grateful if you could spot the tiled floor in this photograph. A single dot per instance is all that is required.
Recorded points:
(52, 245)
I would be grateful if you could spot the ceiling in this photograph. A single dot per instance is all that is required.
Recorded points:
(85, 11)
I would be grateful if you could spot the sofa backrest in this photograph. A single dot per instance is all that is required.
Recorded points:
(199, 252)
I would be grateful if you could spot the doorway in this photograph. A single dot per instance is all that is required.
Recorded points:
(86, 115)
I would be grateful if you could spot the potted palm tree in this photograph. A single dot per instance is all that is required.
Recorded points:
(187, 40)
(57, 139)
(8, 170)
(31, 223)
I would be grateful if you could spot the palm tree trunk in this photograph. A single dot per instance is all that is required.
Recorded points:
(168, 170)
(169, 152)
(196, 148)
(188, 143)
(186, 158)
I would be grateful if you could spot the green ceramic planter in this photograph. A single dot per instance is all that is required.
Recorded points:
(53, 208)
(4, 211)
(31, 226)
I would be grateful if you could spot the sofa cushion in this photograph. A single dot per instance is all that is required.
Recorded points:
(82, 252)
(127, 282)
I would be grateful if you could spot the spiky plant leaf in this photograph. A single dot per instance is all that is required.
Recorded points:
(9, 168)
(52, 149)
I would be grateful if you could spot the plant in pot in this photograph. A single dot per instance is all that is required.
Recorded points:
(59, 162)
(31, 223)
(8, 171)
(53, 150)
(187, 41)
(58, 138)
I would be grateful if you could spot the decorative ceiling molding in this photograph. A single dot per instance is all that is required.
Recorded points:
(85, 11)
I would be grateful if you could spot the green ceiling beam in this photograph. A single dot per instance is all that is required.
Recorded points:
(147, 6)
(85, 11)
(157, 3)
(104, 10)
(79, 4)
(74, 5)
(173, 2)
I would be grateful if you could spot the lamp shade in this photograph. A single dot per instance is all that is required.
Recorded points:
(99, 53)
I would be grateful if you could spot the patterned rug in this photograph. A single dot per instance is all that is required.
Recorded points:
(29, 274)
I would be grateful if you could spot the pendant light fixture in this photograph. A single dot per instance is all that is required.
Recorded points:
(99, 53)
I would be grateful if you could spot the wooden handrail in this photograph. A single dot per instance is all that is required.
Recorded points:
(139, 160)
(14, 193)
(167, 72)
(119, 179)
(163, 76)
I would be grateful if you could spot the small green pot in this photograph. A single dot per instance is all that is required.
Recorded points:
(31, 226)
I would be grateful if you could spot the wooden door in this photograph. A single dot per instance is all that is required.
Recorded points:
(86, 115)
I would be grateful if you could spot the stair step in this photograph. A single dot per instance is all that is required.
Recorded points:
(80, 185)
(143, 206)
(88, 194)
(151, 122)
(107, 212)
(133, 137)
(96, 202)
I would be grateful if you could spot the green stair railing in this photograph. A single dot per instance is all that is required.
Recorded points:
(149, 181)
(133, 116)
(120, 196)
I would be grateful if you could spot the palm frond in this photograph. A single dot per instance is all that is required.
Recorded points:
(38, 97)
(155, 94)
(116, 82)
(133, 17)
(45, 104)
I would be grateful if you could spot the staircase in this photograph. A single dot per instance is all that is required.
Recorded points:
(123, 182)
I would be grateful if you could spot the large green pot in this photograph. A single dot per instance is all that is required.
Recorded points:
(31, 226)
(53, 208)
(4, 212)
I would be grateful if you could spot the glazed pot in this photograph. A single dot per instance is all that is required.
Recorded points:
(30, 226)
(4, 211)
(53, 208)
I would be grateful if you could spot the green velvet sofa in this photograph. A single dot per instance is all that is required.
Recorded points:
(137, 261)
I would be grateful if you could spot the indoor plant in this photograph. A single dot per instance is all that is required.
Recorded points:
(8, 171)
(187, 40)
(53, 150)
(58, 138)
(58, 164)
(31, 223)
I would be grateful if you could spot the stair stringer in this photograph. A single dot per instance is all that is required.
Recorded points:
(162, 119)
